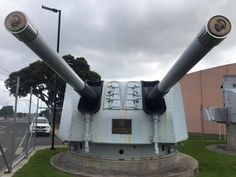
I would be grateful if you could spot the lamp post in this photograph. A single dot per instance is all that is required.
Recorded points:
(59, 23)
(55, 80)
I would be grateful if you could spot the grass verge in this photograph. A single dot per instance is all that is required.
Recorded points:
(211, 164)
(39, 165)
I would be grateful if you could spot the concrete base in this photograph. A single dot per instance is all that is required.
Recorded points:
(221, 148)
(178, 165)
(231, 137)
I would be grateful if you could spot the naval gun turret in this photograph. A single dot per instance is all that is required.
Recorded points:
(123, 121)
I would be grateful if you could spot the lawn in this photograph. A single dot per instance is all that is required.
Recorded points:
(211, 164)
(39, 165)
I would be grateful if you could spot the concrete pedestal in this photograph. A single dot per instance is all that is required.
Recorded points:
(231, 137)
(178, 165)
(230, 147)
(221, 148)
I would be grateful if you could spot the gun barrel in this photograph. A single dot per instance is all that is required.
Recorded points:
(18, 24)
(216, 30)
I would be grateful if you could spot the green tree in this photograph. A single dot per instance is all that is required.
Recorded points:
(6, 111)
(40, 77)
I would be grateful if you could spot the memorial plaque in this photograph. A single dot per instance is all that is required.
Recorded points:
(121, 126)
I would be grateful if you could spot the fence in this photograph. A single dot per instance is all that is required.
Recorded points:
(17, 140)
(21, 144)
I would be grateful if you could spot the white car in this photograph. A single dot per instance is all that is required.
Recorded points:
(42, 126)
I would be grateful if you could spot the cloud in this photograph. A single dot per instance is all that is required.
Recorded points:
(122, 40)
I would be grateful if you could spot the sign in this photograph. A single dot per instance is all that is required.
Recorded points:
(121, 126)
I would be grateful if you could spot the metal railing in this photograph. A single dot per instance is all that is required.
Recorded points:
(22, 144)
(22, 139)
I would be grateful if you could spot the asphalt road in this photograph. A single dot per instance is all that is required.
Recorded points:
(18, 132)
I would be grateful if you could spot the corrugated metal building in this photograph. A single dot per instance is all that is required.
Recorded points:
(202, 89)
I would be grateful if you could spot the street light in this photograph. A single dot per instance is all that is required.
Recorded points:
(55, 80)
(59, 23)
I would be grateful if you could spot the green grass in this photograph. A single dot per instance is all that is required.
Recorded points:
(197, 136)
(211, 164)
(39, 165)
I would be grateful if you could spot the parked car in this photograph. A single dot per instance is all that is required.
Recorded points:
(42, 126)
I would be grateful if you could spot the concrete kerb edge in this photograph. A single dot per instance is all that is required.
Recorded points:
(25, 161)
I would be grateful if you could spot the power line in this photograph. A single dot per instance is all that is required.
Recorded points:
(3, 74)
(1, 79)
(8, 72)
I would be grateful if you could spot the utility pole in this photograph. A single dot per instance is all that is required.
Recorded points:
(29, 121)
(14, 124)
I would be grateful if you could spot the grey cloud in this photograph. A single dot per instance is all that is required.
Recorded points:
(121, 39)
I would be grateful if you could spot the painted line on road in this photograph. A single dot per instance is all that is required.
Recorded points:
(2, 127)
(23, 139)
(19, 150)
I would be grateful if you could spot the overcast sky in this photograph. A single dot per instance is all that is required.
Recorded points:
(121, 40)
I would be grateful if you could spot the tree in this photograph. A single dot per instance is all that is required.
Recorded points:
(7, 111)
(40, 77)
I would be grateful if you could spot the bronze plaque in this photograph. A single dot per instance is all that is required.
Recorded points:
(121, 126)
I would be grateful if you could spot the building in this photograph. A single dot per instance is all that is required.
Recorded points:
(202, 89)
